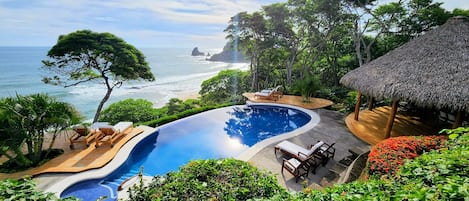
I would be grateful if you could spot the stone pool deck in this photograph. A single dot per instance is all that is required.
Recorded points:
(331, 128)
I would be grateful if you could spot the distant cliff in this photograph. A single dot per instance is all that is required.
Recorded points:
(228, 55)
(195, 52)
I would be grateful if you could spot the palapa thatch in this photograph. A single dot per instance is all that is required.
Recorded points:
(430, 71)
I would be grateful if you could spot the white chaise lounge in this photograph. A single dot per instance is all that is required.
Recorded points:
(273, 93)
(297, 151)
(303, 155)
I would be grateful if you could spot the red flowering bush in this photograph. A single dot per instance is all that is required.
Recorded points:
(387, 156)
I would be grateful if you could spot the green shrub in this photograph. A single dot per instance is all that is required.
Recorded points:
(439, 175)
(135, 110)
(24, 189)
(307, 87)
(226, 87)
(224, 179)
(25, 121)
(186, 113)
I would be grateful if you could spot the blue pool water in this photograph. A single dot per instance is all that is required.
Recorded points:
(220, 133)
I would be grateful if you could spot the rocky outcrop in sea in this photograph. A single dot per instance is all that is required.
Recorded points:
(196, 52)
(228, 55)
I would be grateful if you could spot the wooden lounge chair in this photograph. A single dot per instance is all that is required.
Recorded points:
(326, 152)
(297, 151)
(302, 154)
(296, 168)
(112, 133)
(272, 93)
(85, 134)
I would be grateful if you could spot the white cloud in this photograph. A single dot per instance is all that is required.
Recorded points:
(190, 11)
(41, 22)
(139, 21)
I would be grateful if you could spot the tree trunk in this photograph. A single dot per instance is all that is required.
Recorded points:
(371, 102)
(37, 148)
(101, 104)
(49, 149)
(290, 67)
(21, 159)
(357, 106)
(356, 40)
(392, 115)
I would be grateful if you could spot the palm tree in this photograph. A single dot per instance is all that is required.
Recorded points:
(30, 118)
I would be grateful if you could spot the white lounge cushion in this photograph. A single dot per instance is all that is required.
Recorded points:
(122, 126)
(263, 93)
(295, 149)
(316, 146)
(293, 164)
(97, 125)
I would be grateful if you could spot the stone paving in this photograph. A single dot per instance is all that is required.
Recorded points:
(330, 129)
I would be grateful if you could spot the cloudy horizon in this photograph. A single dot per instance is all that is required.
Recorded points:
(142, 23)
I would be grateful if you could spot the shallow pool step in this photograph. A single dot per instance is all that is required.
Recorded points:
(117, 181)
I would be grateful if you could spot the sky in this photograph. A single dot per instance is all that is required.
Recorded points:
(142, 23)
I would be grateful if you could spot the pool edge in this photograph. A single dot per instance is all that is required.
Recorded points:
(116, 162)
(125, 151)
(315, 119)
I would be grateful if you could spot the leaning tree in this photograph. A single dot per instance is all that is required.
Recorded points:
(86, 56)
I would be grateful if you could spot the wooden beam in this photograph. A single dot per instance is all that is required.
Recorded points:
(371, 101)
(458, 120)
(357, 105)
(391, 117)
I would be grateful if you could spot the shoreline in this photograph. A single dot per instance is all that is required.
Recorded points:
(187, 95)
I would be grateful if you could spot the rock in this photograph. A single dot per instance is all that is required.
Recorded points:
(195, 52)
(228, 55)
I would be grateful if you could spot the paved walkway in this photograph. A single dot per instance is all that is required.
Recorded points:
(315, 103)
(330, 129)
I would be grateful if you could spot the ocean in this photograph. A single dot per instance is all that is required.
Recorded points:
(177, 73)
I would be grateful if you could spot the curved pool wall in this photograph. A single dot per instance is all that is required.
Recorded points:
(248, 154)
(123, 155)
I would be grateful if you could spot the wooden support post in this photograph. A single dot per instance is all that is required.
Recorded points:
(458, 120)
(371, 101)
(357, 105)
(391, 117)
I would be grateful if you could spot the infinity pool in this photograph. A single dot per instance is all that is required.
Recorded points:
(220, 133)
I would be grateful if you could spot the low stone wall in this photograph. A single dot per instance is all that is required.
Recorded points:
(355, 169)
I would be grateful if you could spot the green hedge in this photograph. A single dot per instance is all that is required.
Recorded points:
(24, 189)
(186, 113)
(224, 179)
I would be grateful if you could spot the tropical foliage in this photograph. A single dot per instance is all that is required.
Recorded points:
(307, 87)
(25, 122)
(24, 189)
(135, 110)
(226, 87)
(86, 56)
(175, 116)
(224, 179)
(286, 42)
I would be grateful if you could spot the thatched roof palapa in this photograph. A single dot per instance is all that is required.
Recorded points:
(430, 71)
